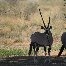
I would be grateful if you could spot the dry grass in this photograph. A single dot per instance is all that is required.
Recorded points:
(15, 32)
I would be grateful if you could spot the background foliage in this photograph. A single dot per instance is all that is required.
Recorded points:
(20, 18)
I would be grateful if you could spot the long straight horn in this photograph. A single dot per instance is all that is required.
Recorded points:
(49, 22)
(42, 18)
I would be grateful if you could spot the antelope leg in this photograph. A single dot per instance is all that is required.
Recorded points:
(45, 50)
(49, 50)
(61, 50)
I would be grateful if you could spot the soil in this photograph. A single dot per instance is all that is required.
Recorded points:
(33, 61)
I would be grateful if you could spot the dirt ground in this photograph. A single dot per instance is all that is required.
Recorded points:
(55, 53)
(33, 61)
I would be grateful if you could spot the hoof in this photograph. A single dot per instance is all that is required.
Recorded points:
(29, 54)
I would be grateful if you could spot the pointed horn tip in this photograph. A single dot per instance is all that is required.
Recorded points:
(39, 9)
(49, 18)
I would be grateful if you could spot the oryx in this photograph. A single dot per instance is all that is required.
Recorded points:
(63, 40)
(41, 39)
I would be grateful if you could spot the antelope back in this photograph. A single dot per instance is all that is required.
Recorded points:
(41, 39)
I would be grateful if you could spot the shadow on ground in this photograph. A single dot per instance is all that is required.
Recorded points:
(29, 61)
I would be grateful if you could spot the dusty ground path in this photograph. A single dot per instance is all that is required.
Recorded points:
(29, 61)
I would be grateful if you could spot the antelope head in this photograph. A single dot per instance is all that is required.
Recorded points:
(47, 28)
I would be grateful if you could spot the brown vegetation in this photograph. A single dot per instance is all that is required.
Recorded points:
(19, 21)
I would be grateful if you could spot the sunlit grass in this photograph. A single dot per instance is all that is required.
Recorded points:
(15, 29)
(15, 52)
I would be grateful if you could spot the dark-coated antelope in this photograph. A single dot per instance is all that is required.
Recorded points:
(63, 39)
(41, 39)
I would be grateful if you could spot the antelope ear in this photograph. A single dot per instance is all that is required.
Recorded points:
(50, 27)
(42, 27)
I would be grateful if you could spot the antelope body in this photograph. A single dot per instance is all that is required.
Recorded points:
(41, 39)
(63, 40)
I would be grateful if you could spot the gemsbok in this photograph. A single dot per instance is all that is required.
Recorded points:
(41, 39)
(63, 40)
